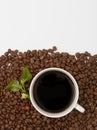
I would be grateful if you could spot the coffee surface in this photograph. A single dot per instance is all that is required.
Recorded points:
(53, 91)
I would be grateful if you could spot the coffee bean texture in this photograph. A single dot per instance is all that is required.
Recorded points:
(83, 66)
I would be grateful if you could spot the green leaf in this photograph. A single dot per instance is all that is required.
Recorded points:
(25, 95)
(14, 86)
(26, 75)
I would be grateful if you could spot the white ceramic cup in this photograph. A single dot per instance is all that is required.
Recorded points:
(73, 105)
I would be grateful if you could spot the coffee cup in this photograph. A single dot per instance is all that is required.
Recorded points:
(54, 93)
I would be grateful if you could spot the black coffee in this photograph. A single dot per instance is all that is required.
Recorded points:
(53, 91)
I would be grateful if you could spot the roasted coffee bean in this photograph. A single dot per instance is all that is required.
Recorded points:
(12, 117)
(13, 113)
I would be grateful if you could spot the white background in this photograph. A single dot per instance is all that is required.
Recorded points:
(71, 25)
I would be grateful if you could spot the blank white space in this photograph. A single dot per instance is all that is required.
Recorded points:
(71, 25)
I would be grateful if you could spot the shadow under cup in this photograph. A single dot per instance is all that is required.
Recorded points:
(53, 91)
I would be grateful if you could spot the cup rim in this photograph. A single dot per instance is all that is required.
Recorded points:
(49, 114)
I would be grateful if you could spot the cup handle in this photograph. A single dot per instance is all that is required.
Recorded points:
(79, 108)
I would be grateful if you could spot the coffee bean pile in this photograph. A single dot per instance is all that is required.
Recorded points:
(19, 114)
